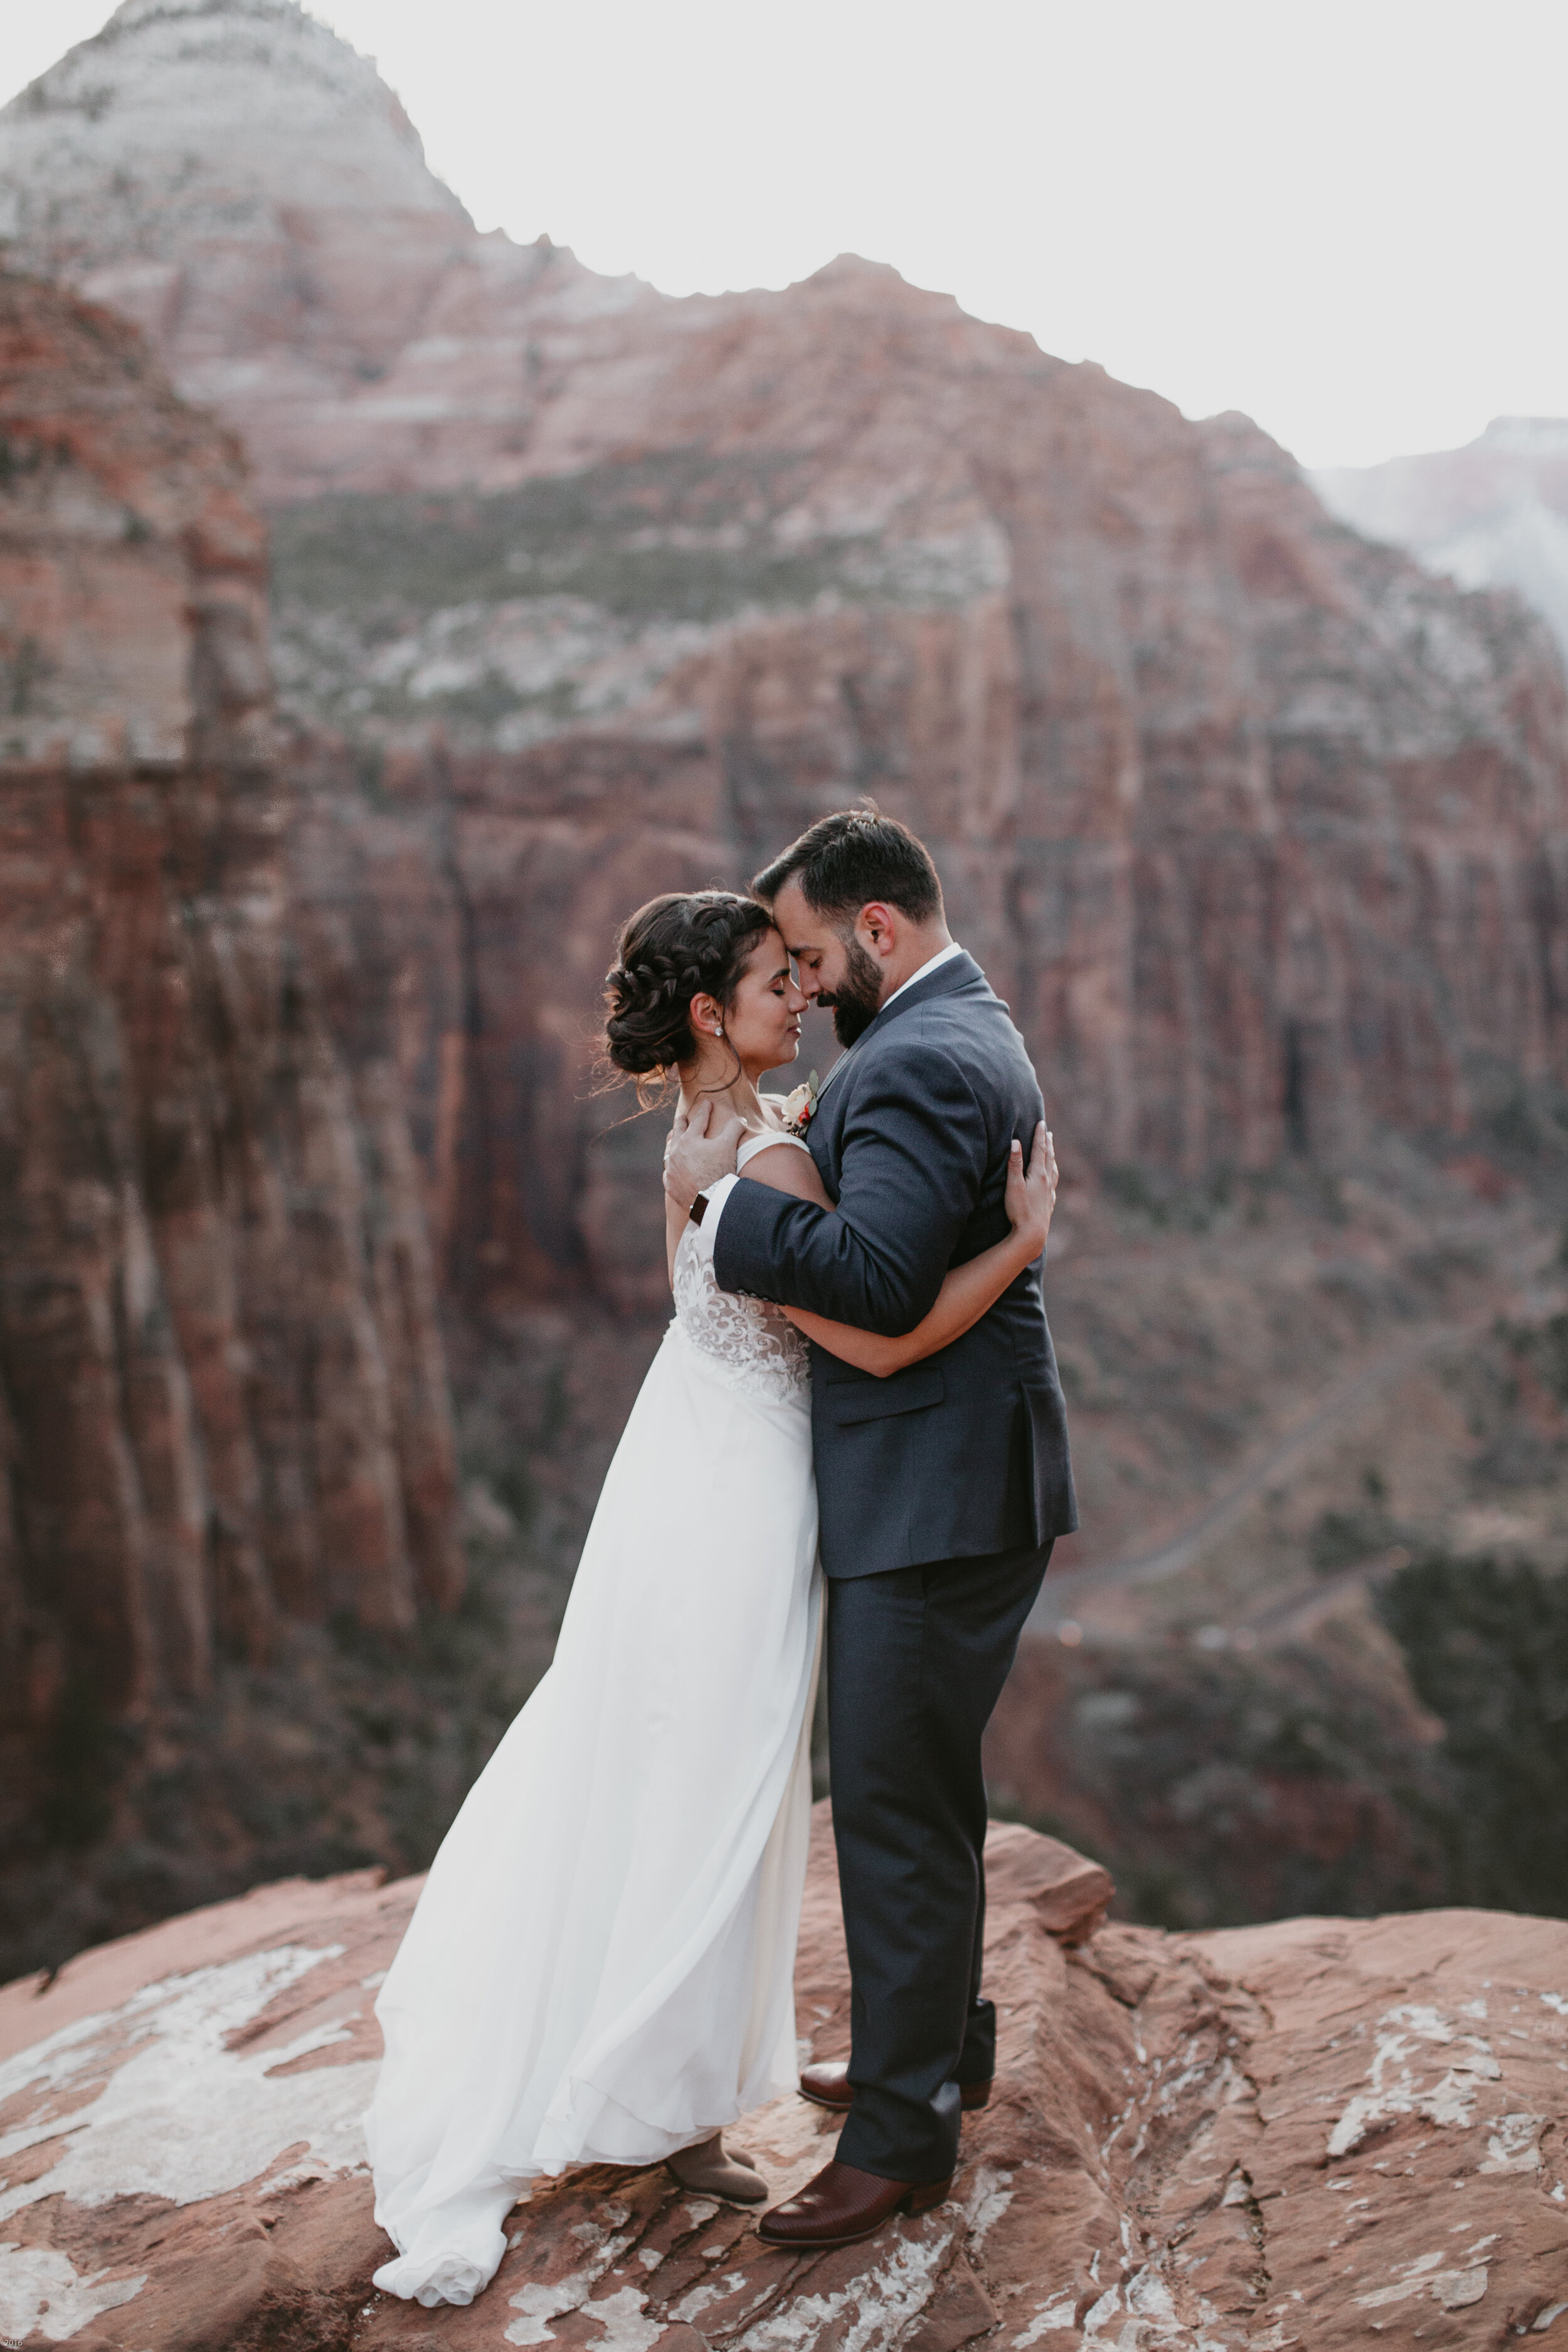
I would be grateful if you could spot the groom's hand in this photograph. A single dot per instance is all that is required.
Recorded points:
(698, 1153)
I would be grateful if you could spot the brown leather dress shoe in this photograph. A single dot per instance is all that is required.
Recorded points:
(842, 2205)
(828, 2084)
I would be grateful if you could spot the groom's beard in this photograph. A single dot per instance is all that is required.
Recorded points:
(858, 999)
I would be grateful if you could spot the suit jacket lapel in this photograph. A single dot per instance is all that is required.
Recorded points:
(822, 1135)
(959, 972)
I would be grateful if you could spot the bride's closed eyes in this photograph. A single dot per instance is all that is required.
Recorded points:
(762, 1021)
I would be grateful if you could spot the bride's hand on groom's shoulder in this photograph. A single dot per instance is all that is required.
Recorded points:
(1031, 1193)
(699, 1152)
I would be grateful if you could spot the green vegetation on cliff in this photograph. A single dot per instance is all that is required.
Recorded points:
(1486, 1644)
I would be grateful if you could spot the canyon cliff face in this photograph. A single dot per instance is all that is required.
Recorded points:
(580, 592)
(1258, 827)
(222, 1389)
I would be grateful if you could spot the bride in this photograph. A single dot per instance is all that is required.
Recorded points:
(599, 1969)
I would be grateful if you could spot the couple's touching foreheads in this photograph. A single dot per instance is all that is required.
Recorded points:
(849, 1454)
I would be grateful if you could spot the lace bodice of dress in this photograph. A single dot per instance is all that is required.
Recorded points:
(756, 1343)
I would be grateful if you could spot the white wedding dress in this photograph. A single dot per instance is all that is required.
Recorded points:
(600, 1968)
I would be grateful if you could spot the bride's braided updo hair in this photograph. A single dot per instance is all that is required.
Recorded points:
(687, 943)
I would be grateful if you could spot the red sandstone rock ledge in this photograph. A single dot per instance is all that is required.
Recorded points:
(1314, 2134)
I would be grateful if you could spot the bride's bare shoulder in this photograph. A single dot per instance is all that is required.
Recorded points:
(783, 1162)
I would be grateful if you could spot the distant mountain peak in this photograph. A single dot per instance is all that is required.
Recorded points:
(1528, 436)
(1493, 514)
(181, 109)
(133, 13)
(847, 268)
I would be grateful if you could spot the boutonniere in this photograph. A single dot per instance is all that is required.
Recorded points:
(800, 1107)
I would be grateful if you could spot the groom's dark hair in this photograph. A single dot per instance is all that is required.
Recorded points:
(844, 861)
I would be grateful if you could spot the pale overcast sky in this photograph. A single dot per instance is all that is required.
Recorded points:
(1344, 217)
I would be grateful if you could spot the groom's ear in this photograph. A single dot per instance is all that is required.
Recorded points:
(876, 927)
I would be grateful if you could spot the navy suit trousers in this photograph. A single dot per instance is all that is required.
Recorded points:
(916, 1661)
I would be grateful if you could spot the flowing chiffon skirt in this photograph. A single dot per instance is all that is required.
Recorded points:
(600, 1968)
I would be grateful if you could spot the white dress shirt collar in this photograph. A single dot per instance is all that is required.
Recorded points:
(931, 963)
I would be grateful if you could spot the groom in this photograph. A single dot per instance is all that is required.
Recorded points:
(941, 1487)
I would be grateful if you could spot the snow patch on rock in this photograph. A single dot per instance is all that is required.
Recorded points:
(1395, 2075)
(42, 2294)
(181, 2115)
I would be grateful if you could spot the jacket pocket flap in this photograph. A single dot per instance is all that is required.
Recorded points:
(870, 1400)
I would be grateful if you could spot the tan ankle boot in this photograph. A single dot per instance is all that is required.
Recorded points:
(707, 2169)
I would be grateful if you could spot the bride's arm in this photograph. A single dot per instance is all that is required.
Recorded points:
(968, 1291)
(674, 1226)
(786, 1168)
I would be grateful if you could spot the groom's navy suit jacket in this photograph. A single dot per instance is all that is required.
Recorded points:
(966, 1453)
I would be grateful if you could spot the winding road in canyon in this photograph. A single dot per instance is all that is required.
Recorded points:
(1064, 1592)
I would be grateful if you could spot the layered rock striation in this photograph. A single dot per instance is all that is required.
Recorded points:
(221, 1375)
(1257, 828)
(584, 592)
(1287, 2137)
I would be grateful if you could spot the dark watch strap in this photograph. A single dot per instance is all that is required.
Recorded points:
(699, 1209)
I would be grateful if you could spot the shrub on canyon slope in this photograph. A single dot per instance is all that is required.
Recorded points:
(1220, 1789)
(1487, 1646)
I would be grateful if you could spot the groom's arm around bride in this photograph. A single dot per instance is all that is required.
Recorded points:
(965, 1451)
(941, 1487)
